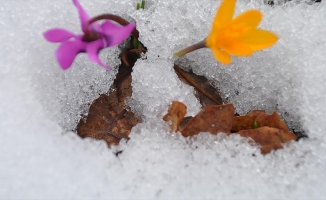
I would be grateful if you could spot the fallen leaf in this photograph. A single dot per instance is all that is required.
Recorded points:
(107, 118)
(242, 123)
(207, 94)
(287, 136)
(184, 122)
(103, 122)
(269, 138)
(211, 119)
(272, 120)
(175, 114)
(220, 118)
(261, 118)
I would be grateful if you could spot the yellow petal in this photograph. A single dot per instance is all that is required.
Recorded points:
(244, 23)
(238, 49)
(259, 39)
(211, 39)
(224, 13)
(221, 56)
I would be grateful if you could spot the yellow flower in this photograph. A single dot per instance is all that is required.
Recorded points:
(239, 36)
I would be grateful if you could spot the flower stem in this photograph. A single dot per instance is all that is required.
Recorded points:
(191, 48)
(115, 18)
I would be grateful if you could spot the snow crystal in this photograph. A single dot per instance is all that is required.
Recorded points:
(156, 86)
(40, 103)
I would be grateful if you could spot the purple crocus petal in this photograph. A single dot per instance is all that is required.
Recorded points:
(93, 49)
(83, 16)
(67, 52)
(58, 35)
(115, 34)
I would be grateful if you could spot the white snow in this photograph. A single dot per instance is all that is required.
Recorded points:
(42, 159)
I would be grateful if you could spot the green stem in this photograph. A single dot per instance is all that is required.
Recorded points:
(143, 4)
(255, 125)
(191, 48)
(135, 43)
(138, 6)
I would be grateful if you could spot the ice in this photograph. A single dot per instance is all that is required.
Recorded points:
(42, 159)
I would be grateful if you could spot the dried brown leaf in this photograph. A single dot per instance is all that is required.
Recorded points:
(262, 119)
(175, 114)
(269, 138)
(242, 123)
(107, 118)
(211, 119)
(103, 122)
(207, 94)
(272, 120)
(184, 122)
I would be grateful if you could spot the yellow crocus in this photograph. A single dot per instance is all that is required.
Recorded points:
(239, 36)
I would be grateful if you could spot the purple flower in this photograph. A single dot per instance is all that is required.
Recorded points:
(95, 38)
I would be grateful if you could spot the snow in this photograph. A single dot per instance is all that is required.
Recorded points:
(42, 159)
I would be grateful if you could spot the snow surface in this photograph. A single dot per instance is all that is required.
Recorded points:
(42, 159)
